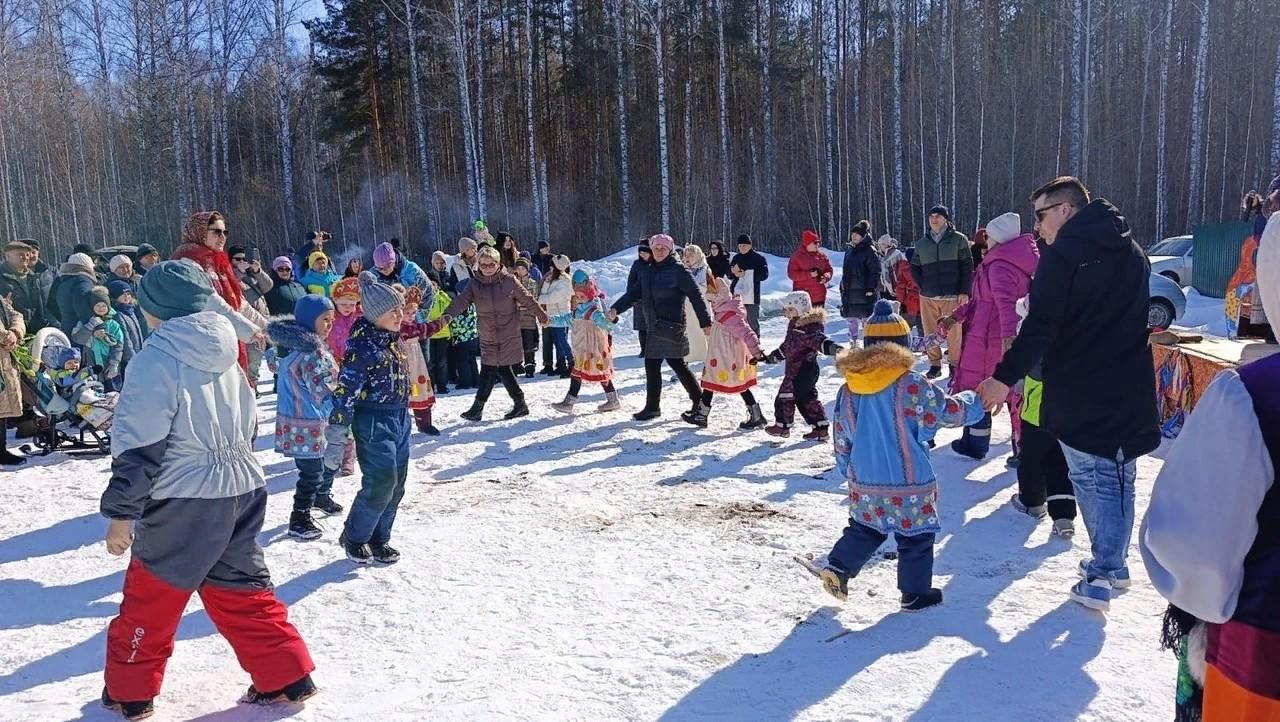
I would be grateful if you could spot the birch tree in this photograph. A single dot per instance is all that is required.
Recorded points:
(1195, 194)
(899, 157)
(1162, 125)
(1275, 117)
(620, 101)
(726, 201)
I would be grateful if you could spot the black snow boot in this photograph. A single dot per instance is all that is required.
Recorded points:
(141, 709)
(756, 420)
(920, 602)
(697, 415)
(299, 691)
(302, 527)
(358, 553)
(326, 504)
(520, 409)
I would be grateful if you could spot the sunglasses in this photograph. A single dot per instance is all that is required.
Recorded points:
(1041, 211)
(284, 269)
(239, 259)
(489, 264)
(220, 232)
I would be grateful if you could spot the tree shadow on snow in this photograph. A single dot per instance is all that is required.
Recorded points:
(62, 536)
(820, 656)
(87, 656)
(25, 603)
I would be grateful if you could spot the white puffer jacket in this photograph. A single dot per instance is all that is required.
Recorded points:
(555, 296)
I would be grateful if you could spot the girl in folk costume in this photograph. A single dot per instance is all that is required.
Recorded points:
(422, 394)
(592, 347)
(696, 261)
(895, 276)
(732, 351)
(346, 303)
(204, 241)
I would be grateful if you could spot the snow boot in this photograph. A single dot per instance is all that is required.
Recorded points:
(920, 602)
(529, 370)
(141, 709)
(301, 526)
(780, 430)
(976, 440)
(819, 433)
(647, 414)
(835, 582)
(1012, 462)
(1035, 512)
(520, 409)
(566, 406)
(8, 458)
(299, 691)
(697, 415)
(358, 553)
(422, 419)
(611, 402)
(547, 371)
(1064, 528)
(326, 504)
(934, 372)
(384, 553)
(474, 413)
(755, 420)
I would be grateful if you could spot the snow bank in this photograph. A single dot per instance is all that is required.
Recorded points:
(1206, 313)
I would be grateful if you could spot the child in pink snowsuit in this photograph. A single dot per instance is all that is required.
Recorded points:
(990, 317)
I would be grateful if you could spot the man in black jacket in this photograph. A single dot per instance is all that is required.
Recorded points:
(942, 267)
(1088, 322)
(754, 271)
(22, 286)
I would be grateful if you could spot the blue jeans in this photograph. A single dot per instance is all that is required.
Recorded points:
(313, 480)
(382, 447)
(915, 555)
(560, 339)
(1104, 493)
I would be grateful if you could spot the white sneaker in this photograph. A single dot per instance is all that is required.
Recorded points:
(611, 402)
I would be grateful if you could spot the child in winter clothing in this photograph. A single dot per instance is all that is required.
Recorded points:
(304, 399)
(592, 348)
(464, 335)
(528, 321)
(806, 338)
(422, 395)
(319, 278)
(555, 294)
(346, 306)
(187, 488)
(732, 352)
(440, 341)
(103, 336)
(990, 318)
(123, 303)
(372, 399)
(885, 414)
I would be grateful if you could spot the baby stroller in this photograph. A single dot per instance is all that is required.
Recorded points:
(72, 410)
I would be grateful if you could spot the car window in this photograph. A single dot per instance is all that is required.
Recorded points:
(1171, 247)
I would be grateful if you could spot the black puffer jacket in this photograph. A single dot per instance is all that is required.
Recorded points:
(660, 291)
(860, 280)
(1088, 322)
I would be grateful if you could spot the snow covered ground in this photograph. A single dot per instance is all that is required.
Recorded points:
(590, 567)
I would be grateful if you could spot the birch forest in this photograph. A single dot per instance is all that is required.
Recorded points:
(593, 124)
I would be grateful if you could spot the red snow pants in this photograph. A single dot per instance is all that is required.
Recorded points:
(254, 621)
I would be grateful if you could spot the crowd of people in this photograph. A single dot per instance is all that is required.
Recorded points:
(1050, 325)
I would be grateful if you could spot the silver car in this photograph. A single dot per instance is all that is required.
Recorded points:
(1172, 258)
(1167, 303)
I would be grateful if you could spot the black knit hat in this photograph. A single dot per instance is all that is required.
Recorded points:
(744, 238)
(942, 211)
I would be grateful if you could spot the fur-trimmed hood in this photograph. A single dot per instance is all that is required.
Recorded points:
(817, 315)
(286, 332)
(873, 369)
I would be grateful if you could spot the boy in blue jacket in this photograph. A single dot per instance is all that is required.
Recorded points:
(304, 390)
(885, 415)
(372, 400)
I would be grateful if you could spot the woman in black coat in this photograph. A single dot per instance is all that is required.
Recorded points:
(860, 282)
(718, 260)
(659, 292)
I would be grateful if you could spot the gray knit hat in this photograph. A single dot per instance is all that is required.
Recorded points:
(174, 288)
(376, 297)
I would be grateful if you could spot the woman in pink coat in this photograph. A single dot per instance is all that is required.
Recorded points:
(990, 317)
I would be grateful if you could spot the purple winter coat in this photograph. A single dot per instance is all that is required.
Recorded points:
(990, 316)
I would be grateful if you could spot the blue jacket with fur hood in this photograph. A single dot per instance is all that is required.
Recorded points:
(304, 390)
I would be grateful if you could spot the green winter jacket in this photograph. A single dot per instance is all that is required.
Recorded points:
(943, 268)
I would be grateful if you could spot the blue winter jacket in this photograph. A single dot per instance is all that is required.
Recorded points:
(885, 415)
(306, 376)
(373, 372)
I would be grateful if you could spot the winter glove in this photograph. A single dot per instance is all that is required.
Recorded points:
(335, 439)
(774, 357)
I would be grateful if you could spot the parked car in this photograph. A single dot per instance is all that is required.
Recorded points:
(1172, 258)
(1167, 303)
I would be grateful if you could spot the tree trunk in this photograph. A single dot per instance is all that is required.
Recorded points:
(660, 73)
(1275, 121)
(534, 181)
(1194, 179)
(899, 154)
(464, 107)
(620, 98)
(282, 117)
(1162, 123)
(426, 180)
(725, 200)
